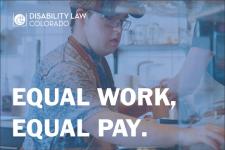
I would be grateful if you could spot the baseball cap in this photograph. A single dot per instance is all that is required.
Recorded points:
(111, 7)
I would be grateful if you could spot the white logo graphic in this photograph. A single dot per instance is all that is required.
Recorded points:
(44, 19)
(19, 19)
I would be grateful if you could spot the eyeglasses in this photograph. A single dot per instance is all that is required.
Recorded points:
(114, 21)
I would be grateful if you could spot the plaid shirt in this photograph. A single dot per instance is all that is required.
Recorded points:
(64, 68)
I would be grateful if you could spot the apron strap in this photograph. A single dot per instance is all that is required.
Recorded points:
(85, 56)
(108, 73)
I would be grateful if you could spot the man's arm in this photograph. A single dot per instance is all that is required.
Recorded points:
(158, 135)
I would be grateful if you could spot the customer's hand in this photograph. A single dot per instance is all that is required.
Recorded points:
(171, 84)
(210, 135)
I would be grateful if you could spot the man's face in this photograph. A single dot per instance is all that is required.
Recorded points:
(103, 34)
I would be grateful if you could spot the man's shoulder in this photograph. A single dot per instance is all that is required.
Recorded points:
(52, 58)
(62, 58)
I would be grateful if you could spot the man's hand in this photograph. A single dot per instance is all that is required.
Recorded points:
(210, 135)
(172, 85)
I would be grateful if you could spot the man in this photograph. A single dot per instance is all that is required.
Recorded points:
(80, 63)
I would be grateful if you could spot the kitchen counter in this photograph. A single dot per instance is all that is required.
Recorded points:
(7, 140)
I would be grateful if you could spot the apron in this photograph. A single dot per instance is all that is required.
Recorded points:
(81, 51)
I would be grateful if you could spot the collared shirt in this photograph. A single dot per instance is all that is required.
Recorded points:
(64, 68)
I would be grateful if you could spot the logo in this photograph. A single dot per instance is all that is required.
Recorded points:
(45, 19)
(19, 20)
